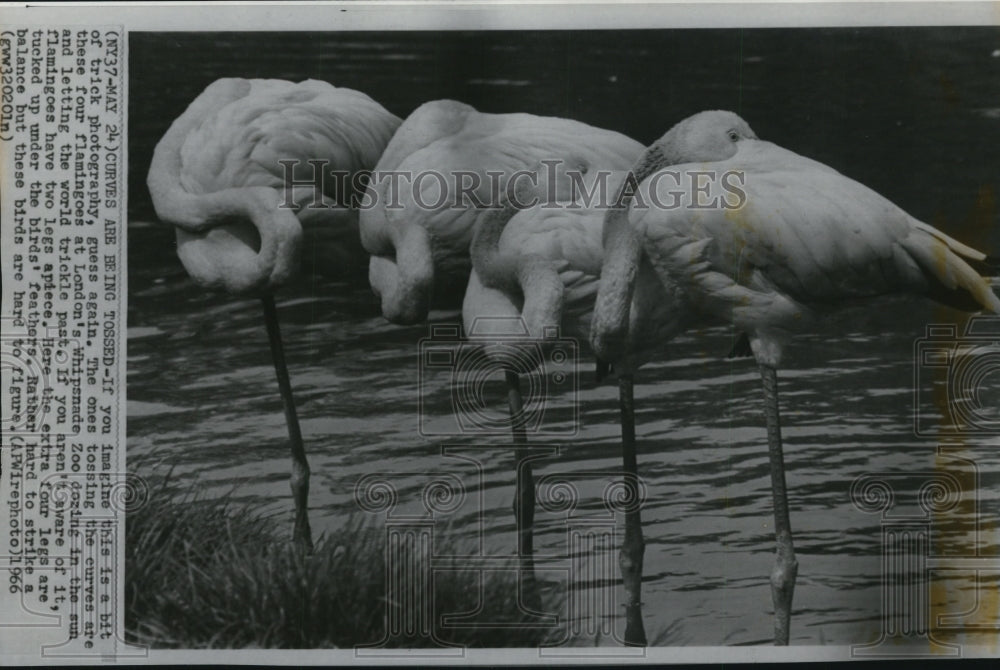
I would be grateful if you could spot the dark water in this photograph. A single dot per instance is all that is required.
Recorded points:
(914, 113)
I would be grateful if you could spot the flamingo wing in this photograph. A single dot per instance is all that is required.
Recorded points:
(243, 143)
(569, 240)
(431, 211)
(803, 235)
(216, 174)
(504, 144)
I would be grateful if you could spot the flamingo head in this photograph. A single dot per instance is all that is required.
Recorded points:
(705, 137)
(404, 280)
(702, 138)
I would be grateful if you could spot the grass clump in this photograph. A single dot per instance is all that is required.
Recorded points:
(206, 573)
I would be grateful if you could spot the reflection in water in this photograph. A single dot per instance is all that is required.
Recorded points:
(202, 391)
(201, 397)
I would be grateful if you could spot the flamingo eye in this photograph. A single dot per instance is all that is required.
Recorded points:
(733, 135)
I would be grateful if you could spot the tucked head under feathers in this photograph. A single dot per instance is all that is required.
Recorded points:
(704, 137)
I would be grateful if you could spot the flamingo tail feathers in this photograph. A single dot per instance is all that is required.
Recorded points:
(962, 250)
(954, 271)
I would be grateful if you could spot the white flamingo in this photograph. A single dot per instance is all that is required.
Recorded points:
(419, 236)
(805, 241)
(215, 175)
(542, 266)
(421, 252)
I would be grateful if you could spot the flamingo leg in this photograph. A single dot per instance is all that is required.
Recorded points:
(524, 494)
(631, 554)
(785, 565)
(302, 535)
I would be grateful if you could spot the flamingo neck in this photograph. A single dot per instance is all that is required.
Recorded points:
(527, 275)
(622, 253)
(406, 283)
(241, 261)
(485, 248)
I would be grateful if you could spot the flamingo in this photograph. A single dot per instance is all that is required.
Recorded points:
(418, 251)
(541, 266)
(215, 175)
(802, 242)
(419, 234)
